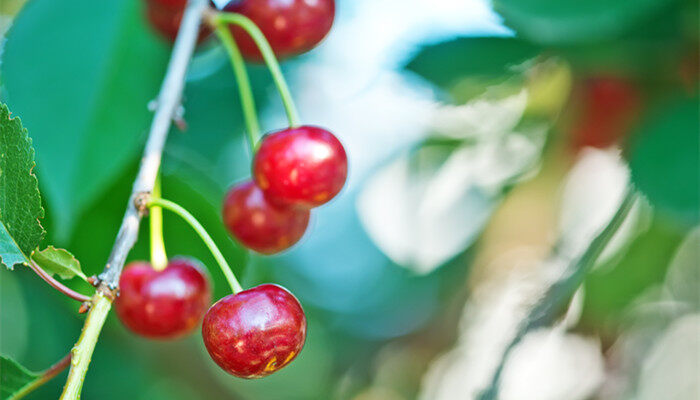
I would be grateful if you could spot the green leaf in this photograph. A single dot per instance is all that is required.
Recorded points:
(664, 158)
(486, 58)
(81, 74)
(14, 379)
(20, 201)
(611, 288)
(567, 22)
(59, 262)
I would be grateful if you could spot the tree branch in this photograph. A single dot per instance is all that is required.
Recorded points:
(168, 102)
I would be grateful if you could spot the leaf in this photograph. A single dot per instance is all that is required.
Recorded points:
(14, 379)
(83, 86)
(609, 290)
(487, 58)
(20, 201)
(414, 208)
(567, 22)
(561, 290)
(664, 158)
(59, 262)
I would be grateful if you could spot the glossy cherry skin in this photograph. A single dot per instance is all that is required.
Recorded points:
(255, 332)
(290, 26)
(165, 17)
(163, 304)
(609, 106)
(259, 225)
(305, 166)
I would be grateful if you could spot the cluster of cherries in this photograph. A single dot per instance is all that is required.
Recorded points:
(294, 170)
(291, 27)
(257, 331)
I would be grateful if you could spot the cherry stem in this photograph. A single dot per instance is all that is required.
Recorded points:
(269, 56)
(159, 258)
(190, 219)
(244, 90)
(56, 284)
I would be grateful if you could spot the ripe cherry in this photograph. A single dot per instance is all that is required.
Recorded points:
(608, 108)
(163, 304)
(305, 166)
(290, 26)
(255, 332)
(260, 225)
(165, 17)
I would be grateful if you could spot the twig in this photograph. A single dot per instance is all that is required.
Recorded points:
(58, 285)
(108, 281)
(46, 376)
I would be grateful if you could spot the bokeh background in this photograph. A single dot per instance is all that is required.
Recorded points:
(488, 142)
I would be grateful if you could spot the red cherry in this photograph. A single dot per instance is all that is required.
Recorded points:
(609, 107)
(255, 332)
(259, 225)
(305, 166)
(165, 17)
(163, 304)
(291, 26)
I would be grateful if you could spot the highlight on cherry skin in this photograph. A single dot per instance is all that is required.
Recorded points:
(163, 304)
(255, 332)
(258, 224)
(291, 27)
(304, 166)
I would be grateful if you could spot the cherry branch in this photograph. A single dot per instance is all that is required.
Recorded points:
(57, 285)
(167, 104)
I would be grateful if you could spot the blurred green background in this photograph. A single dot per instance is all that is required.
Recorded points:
(488, 143)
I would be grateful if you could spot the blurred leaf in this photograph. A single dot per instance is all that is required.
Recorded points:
(20, 201)
(683, 277)
(665, 156)
(669, 370)
(81, 73)
(591, 194)
(565, 22)
(414, 208)
(648, 51)
(547, 365)
(15, 315)
(616, 284)
(488, 60)
(14, 379)
(58, 261)
(545, 309)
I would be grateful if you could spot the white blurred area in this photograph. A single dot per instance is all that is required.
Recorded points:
(547, 363)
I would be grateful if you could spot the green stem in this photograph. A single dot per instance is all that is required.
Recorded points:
(159, 258)
(184, 214)
(244, 90)
(82, 351)
(269, 56)
(46, 376)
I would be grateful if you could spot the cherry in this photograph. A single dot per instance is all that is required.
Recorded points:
(291, 26)
(260, 225)
(609, 106)
(255, 332)
(305, 166)
(163, 304)
(165, 17)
